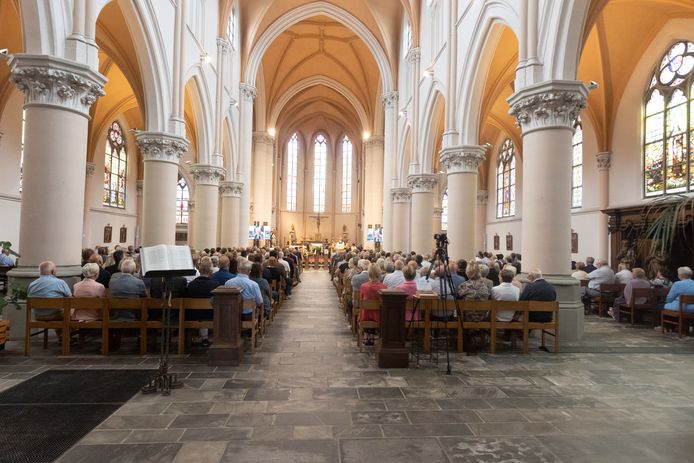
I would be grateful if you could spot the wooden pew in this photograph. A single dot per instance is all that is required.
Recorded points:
(98, 304)
(678, 318)
(252, 324)
(133, 304)
(59, 303)
(553, 325)
(654, 299)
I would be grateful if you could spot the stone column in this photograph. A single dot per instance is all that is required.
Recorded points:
(604, 162)
(58, 95)
(207, 179)
(373, 186)
(138, 230)
(390, 129)
(422, 186)
(436, 218)
(401, 218)
(248, 94)
(223, 47)
(161, 152)
(263, 151)
(481, 231)
(461, 163)
(90, 193)
(231, 204)
(546, 113)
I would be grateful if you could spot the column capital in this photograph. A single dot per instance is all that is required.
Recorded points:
(462, 158)
(50, 81)
(191, 206)
(263, 137)
(223, 45)
(248, 91)
(401, 195)
(422, 183)
(91, 167)
(604, 160)
(161, 146)
(231, 189)
(140, 186)
(376, 141)
(438, 211)
(482, 197)
(551, 104)
(390, 99)
(413, 54)
(206, 174)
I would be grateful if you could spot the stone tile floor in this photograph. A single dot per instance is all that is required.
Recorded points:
(622, 394)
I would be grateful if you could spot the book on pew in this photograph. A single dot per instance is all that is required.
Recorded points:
(166, 261)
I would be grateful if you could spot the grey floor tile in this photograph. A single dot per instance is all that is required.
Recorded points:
(121, 453)
(411, 450)
(496, 449)
(288, 451)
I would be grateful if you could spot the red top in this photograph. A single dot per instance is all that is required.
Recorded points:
(369, 292)
(410, 288)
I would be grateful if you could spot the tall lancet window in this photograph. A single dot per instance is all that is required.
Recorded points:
(115, 167)
(292, 161)
(444, 212)
(577, 166)
(182, 197)
(346, 174)
(669, 124)
(506, 181)
(231, 27)
(320, 155)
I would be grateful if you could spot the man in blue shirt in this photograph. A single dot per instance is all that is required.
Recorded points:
(224, 273)
(47, 285)
(5, 259)
(683, 287)
(249, 288)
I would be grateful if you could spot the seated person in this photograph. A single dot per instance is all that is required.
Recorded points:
(249, 288)
(624, 275)
(5, 259)
(125, 285)
(202, 287)
(475, 288)
(409, 286)
(369, 292)
(88, 287)
(104, 277)
(639, 280)
(48, 285)
(117, 258)
(538, 289)
(506, 291)
(684, 287)
(225, 271)
(601, 275)
(256, 275)
(580, 273)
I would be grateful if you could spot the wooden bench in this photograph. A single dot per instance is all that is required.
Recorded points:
(374, 305)
(679, 319)
(97, 304)
(608, 293)
(192, 304)
(544, 327)
(653, 299)
(252, 324)
(60, 325)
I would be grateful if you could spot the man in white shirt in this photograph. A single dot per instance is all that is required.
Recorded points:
(624, 275)
(284, 263)
(505, 292)
(601, 275)
(396, 278)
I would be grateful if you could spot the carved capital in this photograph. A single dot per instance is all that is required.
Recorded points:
(223, 45)
(161, 146)
(46, 80)
(374, 141)
(248, 91)
(462, 158)
(438, 211)
(140, 186)
(548, 104)
(413, 54)
(390, 99)
(1, 134)
(91, 167)
(482, 197)
(401, 195)
(205, 174)
(604, 160)
(231, 189)
(263, 137)
(422, 183)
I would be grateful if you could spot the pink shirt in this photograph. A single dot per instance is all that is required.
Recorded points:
(88, 288)
(410, 288)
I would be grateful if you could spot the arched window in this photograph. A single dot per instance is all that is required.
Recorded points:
(408, 37)
(506, 181)
(292, 161)
(182, 196)
(577, 166)
(320, 154)
(444, 212)
(231, 26)
(115, 167)
(346, 174)
(669, 123)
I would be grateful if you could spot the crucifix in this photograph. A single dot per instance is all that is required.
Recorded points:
(318, 217)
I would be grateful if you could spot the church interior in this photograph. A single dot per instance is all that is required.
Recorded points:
(311, 144)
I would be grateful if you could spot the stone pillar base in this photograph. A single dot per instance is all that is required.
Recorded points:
(571, 315)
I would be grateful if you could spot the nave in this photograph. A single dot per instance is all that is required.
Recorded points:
(308, 395)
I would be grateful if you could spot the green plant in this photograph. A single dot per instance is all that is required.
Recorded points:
(670, 215)
(15, 296)
(7, 245)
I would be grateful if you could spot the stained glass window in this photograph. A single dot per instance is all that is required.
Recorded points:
(669, 124)
(115, 167)
(292, 160)
(577, 166)
(346, 174)
(182, 197)
(506, 180)
(444, 212)
(320, 154)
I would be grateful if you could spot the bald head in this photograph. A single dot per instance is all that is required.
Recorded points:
(47, 268)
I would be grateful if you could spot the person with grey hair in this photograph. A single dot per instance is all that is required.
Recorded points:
(88, 287)
(359, 279)
(484, 273)
(124, 284)
(538, 289)
(215, 264)
(249, 288)
(5, 259)
(684, 287)
(624, 275)
(395, 278)
(602, 275)
(48, 285)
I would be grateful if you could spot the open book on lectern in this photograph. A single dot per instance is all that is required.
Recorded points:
(166, 261)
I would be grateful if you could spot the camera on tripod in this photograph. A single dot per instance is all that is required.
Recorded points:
(441, 240)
